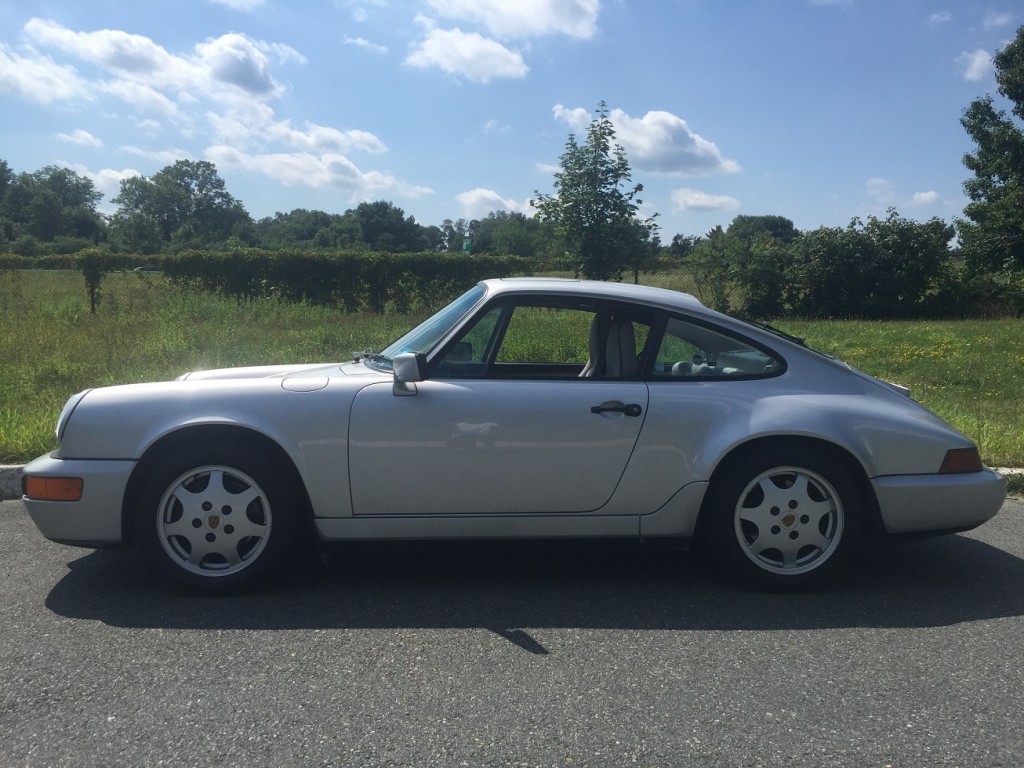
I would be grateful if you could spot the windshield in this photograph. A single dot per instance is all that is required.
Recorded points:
(425, 336)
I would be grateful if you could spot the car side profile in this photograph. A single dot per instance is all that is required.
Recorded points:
(526, 408)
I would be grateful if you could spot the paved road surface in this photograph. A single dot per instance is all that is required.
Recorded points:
(546, 654)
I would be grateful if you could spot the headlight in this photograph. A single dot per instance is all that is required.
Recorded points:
(65, 414)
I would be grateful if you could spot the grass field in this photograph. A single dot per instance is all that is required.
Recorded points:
(971, 372)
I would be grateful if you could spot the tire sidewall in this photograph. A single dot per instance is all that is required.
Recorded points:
(270, 480)
(730, 554)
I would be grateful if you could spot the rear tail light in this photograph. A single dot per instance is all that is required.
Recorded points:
(960, 460)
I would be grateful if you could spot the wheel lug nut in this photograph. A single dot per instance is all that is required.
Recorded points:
(207, 506)
(197, 523)
(805, 519)
(226, 510)
(794, 535)
(793, 504)
(211, 538)
(775, 530)
(775, 511)
(229, 529)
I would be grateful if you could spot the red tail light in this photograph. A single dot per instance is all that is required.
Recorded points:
(960, 460)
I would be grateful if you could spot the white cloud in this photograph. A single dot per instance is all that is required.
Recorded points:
(360, 42)
(467, 54)
(241, 5)
(659, 142)
(162, 156)
(81, 137)
(924, 198)
(477, 203)
(525, 18)
(686, 199)
(316, 171)
(39, 79)
(883, 195)
(940, 17)
(108, 181)
(994, 20)
(977, 64)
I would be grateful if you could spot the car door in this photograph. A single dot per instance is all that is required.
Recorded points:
(513, 426)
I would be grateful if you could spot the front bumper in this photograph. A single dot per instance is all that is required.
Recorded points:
(95, 520)
(919, 503)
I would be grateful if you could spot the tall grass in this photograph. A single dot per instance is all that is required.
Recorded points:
(145, 329)
(971, 373)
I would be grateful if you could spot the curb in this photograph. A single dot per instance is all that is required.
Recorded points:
(10, 480)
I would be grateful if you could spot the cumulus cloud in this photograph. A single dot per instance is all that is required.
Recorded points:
(477, 203)
(466, 54)
(686, 199)
(525, 18)
(38, 78)
(107, 181)
(976, 64)
(940, 17)
(659, 142)
(81, 137)
(884, 195)
(317, 171)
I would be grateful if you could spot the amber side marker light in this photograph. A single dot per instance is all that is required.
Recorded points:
(53, 488)
(960, 460)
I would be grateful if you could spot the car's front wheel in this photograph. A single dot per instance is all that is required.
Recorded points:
(217, 520)
(786, 521)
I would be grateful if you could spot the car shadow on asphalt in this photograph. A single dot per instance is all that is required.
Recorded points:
(507, 587)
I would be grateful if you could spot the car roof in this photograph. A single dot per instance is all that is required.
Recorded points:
(644, 294)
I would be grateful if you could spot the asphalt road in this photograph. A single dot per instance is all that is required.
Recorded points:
(544, 654)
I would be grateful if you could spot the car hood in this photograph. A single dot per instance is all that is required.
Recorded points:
(280, 371)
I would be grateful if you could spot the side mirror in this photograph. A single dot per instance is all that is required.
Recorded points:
(409, 368)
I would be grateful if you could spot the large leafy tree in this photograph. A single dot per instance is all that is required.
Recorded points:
(992, 235)
(595, 206)
(185, 204)
(48, 205)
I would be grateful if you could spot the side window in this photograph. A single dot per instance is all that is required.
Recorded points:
(533, 340)
(546, 335)
(692, 351)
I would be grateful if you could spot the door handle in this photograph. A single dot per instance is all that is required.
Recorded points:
(612, 406)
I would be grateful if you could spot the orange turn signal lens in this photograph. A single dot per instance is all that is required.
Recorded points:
(54, 488)
(960, 460)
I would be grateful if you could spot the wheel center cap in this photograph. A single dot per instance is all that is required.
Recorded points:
(213, 521)
(789, 519)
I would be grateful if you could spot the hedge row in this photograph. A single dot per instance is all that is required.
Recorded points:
(356, 281)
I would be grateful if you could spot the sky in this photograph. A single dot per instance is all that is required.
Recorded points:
(816, 110)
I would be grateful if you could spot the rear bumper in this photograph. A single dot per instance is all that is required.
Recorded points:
(918, 503)
(93, 521)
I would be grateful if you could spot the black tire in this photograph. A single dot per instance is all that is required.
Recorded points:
(218, 519)
(786, 521)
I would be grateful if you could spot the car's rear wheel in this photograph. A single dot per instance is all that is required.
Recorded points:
(218, 520)
(787, 521)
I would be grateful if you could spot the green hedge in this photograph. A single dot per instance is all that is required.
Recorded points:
(357, 281)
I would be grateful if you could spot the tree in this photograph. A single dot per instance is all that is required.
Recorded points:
(186, 204)
(385, 227)
(992, 236)
(52, 203)
(594, 208)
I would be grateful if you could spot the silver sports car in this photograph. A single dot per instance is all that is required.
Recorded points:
(525, 408)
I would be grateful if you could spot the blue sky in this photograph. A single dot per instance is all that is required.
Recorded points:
(817, 110)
